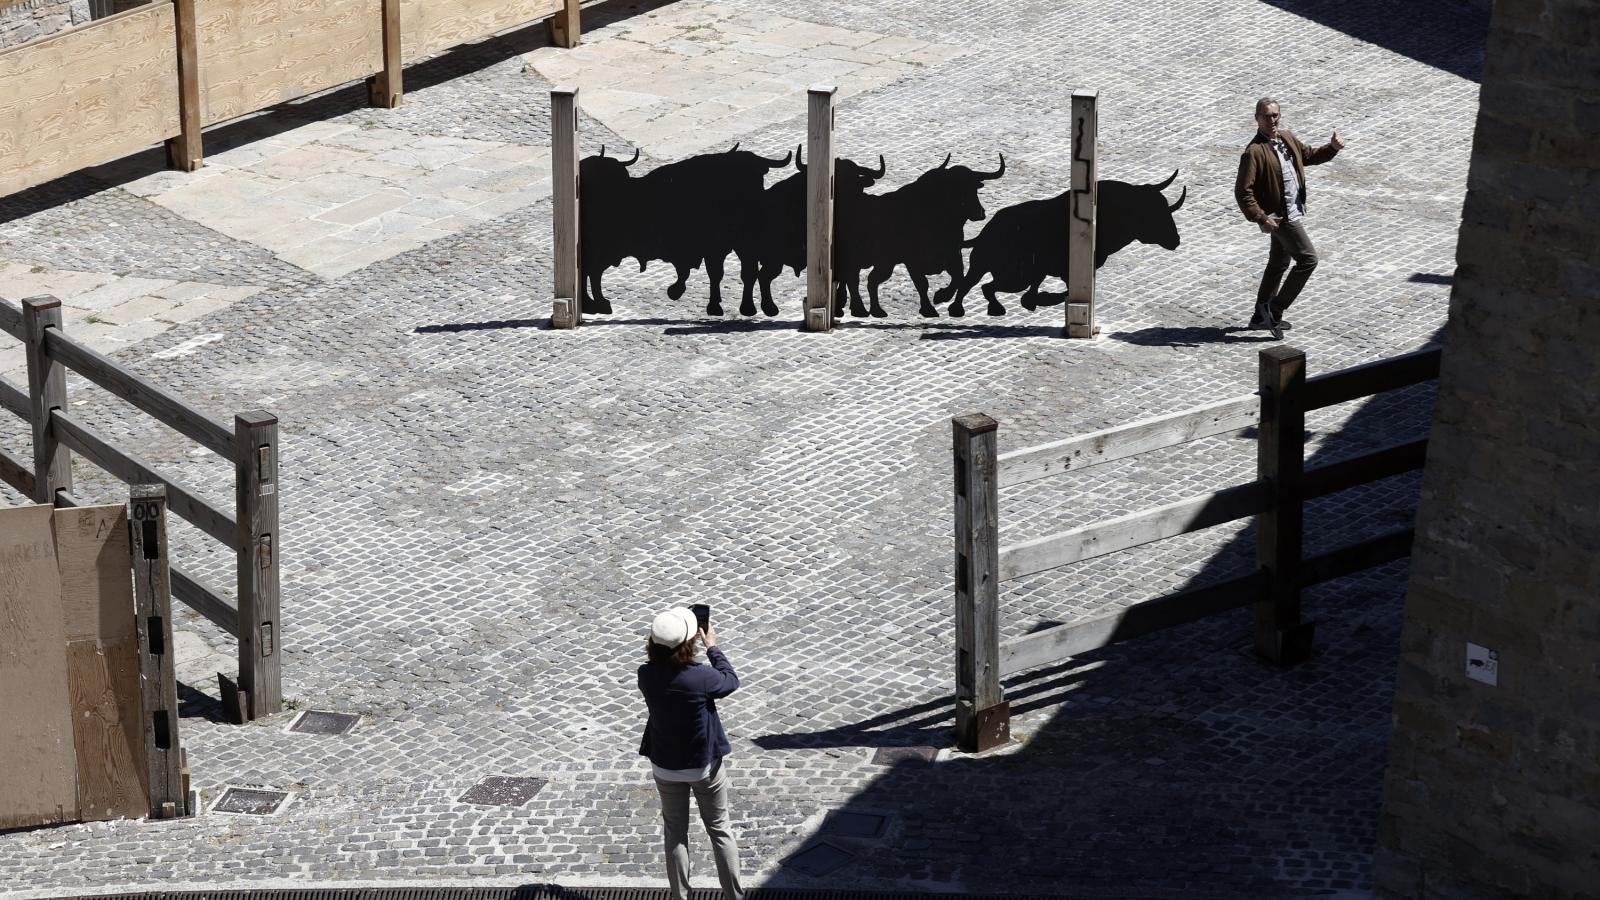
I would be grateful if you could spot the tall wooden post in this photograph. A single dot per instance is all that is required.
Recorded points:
(386, 89)
(1280, 636)
(184, 151)
(819, 208)
(567, 311)
(259, 547)
(983, 717)
(47, 390)
(566, 26)
(1083, 209)
(152, 601)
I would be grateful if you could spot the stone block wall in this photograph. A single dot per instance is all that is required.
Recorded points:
(29, 20)
(1494, 790)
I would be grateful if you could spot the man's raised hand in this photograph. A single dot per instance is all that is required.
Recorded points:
(1337, 143)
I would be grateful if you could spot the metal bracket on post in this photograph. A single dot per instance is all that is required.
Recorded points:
(819, 208)
(983, 717)
(1280, 637)
(567, 310)
(1083, 211)
(47, 390)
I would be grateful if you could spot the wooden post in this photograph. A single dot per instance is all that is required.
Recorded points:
(386, 88)
(1085, 200)
(185, 151)
(260, 547)
(47, 390)
(983, 717)
(568, 308)
(566, 26)
(1280, 636)
(152, 601)
(819, 208)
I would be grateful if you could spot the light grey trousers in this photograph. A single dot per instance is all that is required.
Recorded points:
(711, 795)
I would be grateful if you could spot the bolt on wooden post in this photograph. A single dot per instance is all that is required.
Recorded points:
(567, 311)
(259, 548)
(819, 208)
(152, 598)
(983, 717)
(386, 89)
(1280, 636)
(47, 390)
(1083, 211)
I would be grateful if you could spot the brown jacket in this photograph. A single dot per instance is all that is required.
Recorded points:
(1259, 189)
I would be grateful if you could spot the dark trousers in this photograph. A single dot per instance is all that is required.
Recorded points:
(1289, 242)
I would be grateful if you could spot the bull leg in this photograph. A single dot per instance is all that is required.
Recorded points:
(838, 299)
(995, 307)
(765, 278)
(598, 303)
(748, 273)
(876, 277)
(675, 289)
(1030, 297)
(714, 275)
(856, 309)
(967, 282)
(921, 282)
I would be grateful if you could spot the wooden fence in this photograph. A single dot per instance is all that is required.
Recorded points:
(163, 71)
(251, 445)
(1276, 498)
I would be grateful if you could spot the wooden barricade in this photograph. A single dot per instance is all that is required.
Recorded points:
(818, 312)
(567, 310)
(1277, 497)
(251, 445)
(1085, 212)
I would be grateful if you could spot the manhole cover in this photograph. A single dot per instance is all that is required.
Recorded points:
(818, 859)
(888, 756)
(854, 825)
(503, 790)
(316, 721)
(249, 802)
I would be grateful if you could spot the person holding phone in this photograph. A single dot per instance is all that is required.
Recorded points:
(1271, 192)
(685, 743)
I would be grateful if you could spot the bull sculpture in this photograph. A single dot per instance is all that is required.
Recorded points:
(1025, 244)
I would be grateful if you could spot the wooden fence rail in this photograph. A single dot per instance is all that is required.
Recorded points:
(1276, 498)
(251, 445)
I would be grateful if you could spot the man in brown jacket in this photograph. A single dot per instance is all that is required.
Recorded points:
(1271, 191)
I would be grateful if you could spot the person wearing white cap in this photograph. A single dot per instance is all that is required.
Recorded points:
(685, 743)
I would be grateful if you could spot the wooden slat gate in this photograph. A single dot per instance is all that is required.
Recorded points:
(1276, 498)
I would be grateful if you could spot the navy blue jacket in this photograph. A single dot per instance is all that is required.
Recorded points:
(684, 730)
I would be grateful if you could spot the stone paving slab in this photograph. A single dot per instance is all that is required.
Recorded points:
(481, 514)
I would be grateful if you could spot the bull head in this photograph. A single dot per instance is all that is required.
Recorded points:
(882, 168)
(629, 162)
(777, 163)
(1181, 197)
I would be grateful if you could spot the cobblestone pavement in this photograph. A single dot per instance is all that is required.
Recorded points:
(481, 514)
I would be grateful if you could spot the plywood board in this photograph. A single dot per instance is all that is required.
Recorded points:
(96, 572)
(38, 783)
(87, 96)
(430, 26)
(257, 53)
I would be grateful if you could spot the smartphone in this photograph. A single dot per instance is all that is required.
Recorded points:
(702, 614)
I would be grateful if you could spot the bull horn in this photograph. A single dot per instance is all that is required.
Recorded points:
(779, 163)
(1163, 185)
(602, 150)
(799, 158)
(1181, 198)
(635, 157)
(986, 176)
(882, 167)
(735, 146)
(946, 161)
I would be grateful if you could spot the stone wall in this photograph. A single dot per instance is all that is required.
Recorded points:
(1494, 789)
(29, 20)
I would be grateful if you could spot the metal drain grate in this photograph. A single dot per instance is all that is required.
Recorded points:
(854, 825)
(819, 859)
(317, 721)
(888, 756)
(503, 790)
(250, 802)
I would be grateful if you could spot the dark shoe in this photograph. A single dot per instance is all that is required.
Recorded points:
(1277, 316)
(1263, 319)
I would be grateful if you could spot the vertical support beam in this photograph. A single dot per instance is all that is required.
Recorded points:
(259, 547)
(152, 603)
(47, 390)
(566, 26)
(184, 151)
(1083, 210)
(983, 717)
(819, 208)
(386, 88)
(568, 308)
(1280, 636)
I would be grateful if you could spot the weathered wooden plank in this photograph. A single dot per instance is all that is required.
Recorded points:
(429, 26)
(982, 716)
(132, 469)
(388, 85)
(259, 547)
(1355, 557)
(15, 472)
(564, 206)
(96, 581)
(47, 389)
(103, 677)
(1319, 481)
(1132, 530)
(818, 305)
(258, 53)
(11, 320)
(1143, 436)
(39, 784)
(167, 408)
(1280, 636)
(1085, 201)
(185, 151)
(13, 398)
(1063, 641)
(87, 96)
(1371, 378)
(158, 682)
(205, 600)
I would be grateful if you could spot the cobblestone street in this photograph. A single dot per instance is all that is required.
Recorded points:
(480, 514)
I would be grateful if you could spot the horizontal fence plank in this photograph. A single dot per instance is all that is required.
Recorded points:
(1062, 641)
(169, 410)
(429, 26)
(133, 470)
(11, 320)
(1355, 557)
(15, 399)
(1044, 460)
(1320, 481)
(258, 53)
(1171, 520)
(16, 473)
(1371, 378)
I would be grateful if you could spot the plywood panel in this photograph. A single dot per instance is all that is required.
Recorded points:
(429, 26)
(38, 783)
(87, 96)
(257, 53)
(96, 572)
